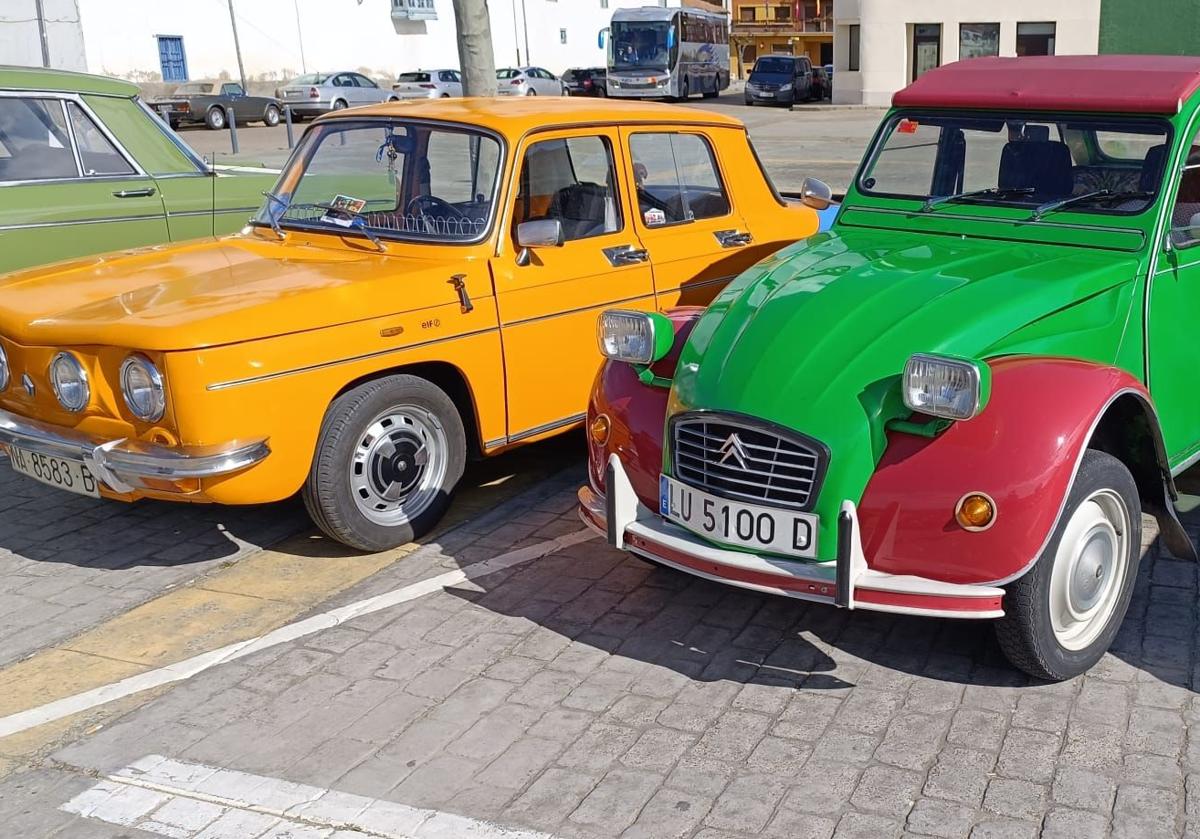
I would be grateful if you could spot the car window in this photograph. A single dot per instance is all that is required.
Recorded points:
(413, 77)
(99, 156)
(573, 180)
(231, 89)
(507, 73)
(455, 76)
(1185, 215)
(34, 143)
(363, 81)
(677, 179)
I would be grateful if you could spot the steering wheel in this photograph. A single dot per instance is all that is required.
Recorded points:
(433, 202)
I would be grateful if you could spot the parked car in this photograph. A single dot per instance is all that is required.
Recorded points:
(780, 80)
(588, 81)
(822, 85)
(391, 311)
(960, 400)
(212, 103)
(314, 94)
(86, 167)
(428, 84)
(527, 81)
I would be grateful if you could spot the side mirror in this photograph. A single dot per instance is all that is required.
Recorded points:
(542, 233)
(816, 194)
(600, 37)
(671, 38)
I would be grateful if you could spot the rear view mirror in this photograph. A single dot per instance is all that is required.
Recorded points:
(542, 233)
(671, 38)
(816, 194)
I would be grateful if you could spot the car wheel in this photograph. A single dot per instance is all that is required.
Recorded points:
(749, 102)
(388, 458)
(215, 118)
(271, 117)
(393, 99)
(685, 90)
(445, 95)
(601, 91)
(531, 92)
(339, 104)
(1064, 612)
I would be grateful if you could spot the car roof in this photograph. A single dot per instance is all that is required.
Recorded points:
(37, 78)
(1139, 84)
(516, 116)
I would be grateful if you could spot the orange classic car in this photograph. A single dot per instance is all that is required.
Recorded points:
(421, 287)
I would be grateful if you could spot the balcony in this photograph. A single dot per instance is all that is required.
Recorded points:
(404, 10)
(791, 26)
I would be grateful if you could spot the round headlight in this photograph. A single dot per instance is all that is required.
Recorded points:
(4, 374)
(70, 382)
(142, 387)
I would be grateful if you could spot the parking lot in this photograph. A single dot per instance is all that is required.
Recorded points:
(202, 671)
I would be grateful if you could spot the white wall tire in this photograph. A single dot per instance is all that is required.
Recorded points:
(1063, 614)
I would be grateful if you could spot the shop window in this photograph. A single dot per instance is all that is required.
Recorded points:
(978, 39)
(926, 48)
(1035, 38)
(852, 50)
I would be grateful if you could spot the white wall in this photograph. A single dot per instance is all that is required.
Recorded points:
(20, 41)
(338, 34)
(885, 60)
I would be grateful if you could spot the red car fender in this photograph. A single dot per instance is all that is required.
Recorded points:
(1023, 451)
(636, 414)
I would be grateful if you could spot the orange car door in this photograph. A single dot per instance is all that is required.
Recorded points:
(685, 214)
(548, 305)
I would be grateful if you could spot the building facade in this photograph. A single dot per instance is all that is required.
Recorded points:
(879, 46)
(58, 41)
(773, 27)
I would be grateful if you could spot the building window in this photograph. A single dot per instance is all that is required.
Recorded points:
(603, 4)
(746, 14)
(783, 13)
(978, 39)
(562, 36)
(1035, 38)
(852, 48)
(926, 48)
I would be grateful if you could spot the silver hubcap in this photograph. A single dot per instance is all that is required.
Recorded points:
(398, 465)
(1089, 568)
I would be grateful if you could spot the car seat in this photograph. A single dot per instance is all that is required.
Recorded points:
(1043, 165)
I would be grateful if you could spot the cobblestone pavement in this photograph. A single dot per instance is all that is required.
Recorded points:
(67, 562)
(587, 693)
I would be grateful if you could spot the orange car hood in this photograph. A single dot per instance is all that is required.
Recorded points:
(214, 292)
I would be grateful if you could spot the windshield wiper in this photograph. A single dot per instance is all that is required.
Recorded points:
(271, 216)
(1063, 203)
(990, 192)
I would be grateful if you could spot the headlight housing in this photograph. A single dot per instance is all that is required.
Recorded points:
(142, 387)
(634, 337)
(946, 386)
(786, 86)
(70, 382)
(5, 375)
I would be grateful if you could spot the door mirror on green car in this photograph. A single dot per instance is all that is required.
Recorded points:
(816, 194)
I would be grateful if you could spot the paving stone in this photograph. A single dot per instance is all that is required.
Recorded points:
(551, 798)
(747, 804)
(931, 817)
(658, 749)
(1019, 799)
(960, 775)
(598, 747)
(1061, 823)
(978, 729)
(1082, 789)
(618, 799)
(779, 755)
(1155, 731)
(862, 826)
(822, 788)
(887, 790)
(1029, 755)
(1004, 829)
(912, 741)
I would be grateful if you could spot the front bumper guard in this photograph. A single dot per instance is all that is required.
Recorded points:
(124, 465)
(847, 582)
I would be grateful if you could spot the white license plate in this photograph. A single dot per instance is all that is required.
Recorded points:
(70, 475)
(762, 529)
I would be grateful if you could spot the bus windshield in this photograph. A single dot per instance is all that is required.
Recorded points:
(640, 45)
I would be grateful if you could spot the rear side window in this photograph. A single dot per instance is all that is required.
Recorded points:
(99, 156)
(34, 144)
(677, 179)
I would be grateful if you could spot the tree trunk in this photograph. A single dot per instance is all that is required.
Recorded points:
(475, 47)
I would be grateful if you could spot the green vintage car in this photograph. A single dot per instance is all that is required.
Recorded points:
(960, 400)
(85, 167)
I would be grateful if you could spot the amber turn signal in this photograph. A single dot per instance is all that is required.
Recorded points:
(975, 511)
(599, 429)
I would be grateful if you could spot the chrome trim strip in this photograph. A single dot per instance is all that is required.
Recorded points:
(116, 461)
(180, 213)
(576, 311)
(308, 368)
(546, 426)
(493, 444)
(104, 220)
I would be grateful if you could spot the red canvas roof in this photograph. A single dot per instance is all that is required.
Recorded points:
(1140, 84)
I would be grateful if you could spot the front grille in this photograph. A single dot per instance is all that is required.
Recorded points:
(745, 459)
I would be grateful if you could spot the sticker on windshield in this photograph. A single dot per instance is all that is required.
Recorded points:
(343, 209)
(654, 216)
(907, 126)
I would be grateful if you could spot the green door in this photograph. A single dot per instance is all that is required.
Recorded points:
(1174, 313)
(66, 188)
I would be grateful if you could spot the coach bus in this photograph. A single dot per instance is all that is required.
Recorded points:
(655, 52)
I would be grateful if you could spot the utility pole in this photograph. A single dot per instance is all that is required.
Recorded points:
(45, 39)
(237, 46)
(525, 26)
(516, 37)
(475, 47)
(299, 37)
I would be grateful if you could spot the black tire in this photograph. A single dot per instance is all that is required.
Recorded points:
(685, 90)
(531, 92)
(271, 116)
(339, 104)
(601, 91)
(1026, 633)
(749, 102)
(215, 119)
(328, 493)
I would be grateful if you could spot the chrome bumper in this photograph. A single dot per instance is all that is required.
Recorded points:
(123, 465)
(847, 582)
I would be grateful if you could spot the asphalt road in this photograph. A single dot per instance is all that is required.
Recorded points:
(817, 141)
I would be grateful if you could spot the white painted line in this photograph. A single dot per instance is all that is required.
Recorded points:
(185, 800)
(181, 670)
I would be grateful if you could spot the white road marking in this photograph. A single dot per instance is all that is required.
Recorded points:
(181, 670)
(185, 800)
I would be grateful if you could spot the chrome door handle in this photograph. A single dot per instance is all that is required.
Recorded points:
(135, 193)
(733, 238)
(625, 255)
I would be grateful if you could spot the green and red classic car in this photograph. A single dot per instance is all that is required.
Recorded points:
(85, 167)
(959, 401)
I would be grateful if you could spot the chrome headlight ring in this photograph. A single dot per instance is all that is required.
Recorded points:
(5, 371)
(69, 380)
(143, 389)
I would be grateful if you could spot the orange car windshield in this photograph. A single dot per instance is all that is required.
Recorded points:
(391, 179)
